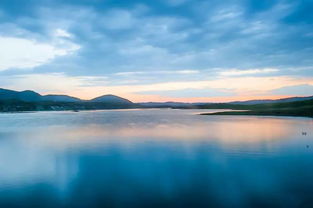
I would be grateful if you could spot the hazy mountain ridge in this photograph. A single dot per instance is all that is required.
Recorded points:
(12, 101)
(60, 98)
(31, 96)
(26, 95)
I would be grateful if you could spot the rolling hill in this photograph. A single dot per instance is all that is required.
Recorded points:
(111, 99)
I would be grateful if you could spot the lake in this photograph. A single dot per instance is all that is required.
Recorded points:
(154, 158)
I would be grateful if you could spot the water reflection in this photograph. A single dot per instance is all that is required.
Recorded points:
(154, 158)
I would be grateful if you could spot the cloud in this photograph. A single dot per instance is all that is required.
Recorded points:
(118, 19)
(192, 93)
(162, 72)
(52, 82)
(62, 33)
(237, 72)
(176, 2)
(121, 36)
(20, 53)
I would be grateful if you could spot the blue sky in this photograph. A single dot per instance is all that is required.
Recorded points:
(157, 50)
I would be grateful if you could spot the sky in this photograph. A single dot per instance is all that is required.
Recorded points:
(158, 50)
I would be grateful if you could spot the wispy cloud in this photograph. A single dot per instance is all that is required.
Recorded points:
(237, 72)
(62, 33)
(165, 72)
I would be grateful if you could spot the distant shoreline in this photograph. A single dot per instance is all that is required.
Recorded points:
(29, 101)
(308, 113)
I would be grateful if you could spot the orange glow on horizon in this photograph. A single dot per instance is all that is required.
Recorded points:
(155, 98)
(247, 88)
(158, 98)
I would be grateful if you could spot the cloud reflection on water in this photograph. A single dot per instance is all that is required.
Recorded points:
(154, 159)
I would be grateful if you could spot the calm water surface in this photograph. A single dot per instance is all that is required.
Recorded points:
(154, 158)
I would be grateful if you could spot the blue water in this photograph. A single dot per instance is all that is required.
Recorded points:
(154, 158)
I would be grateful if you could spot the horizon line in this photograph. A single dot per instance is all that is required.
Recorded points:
(257, 98)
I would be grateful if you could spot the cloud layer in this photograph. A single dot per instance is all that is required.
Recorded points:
(135, 43)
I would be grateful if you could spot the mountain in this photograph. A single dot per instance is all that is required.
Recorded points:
(112, 99)
(27, 95)
(28, 100)
(31, 96)
(60, 98)
(283, 100)
(14, 101)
